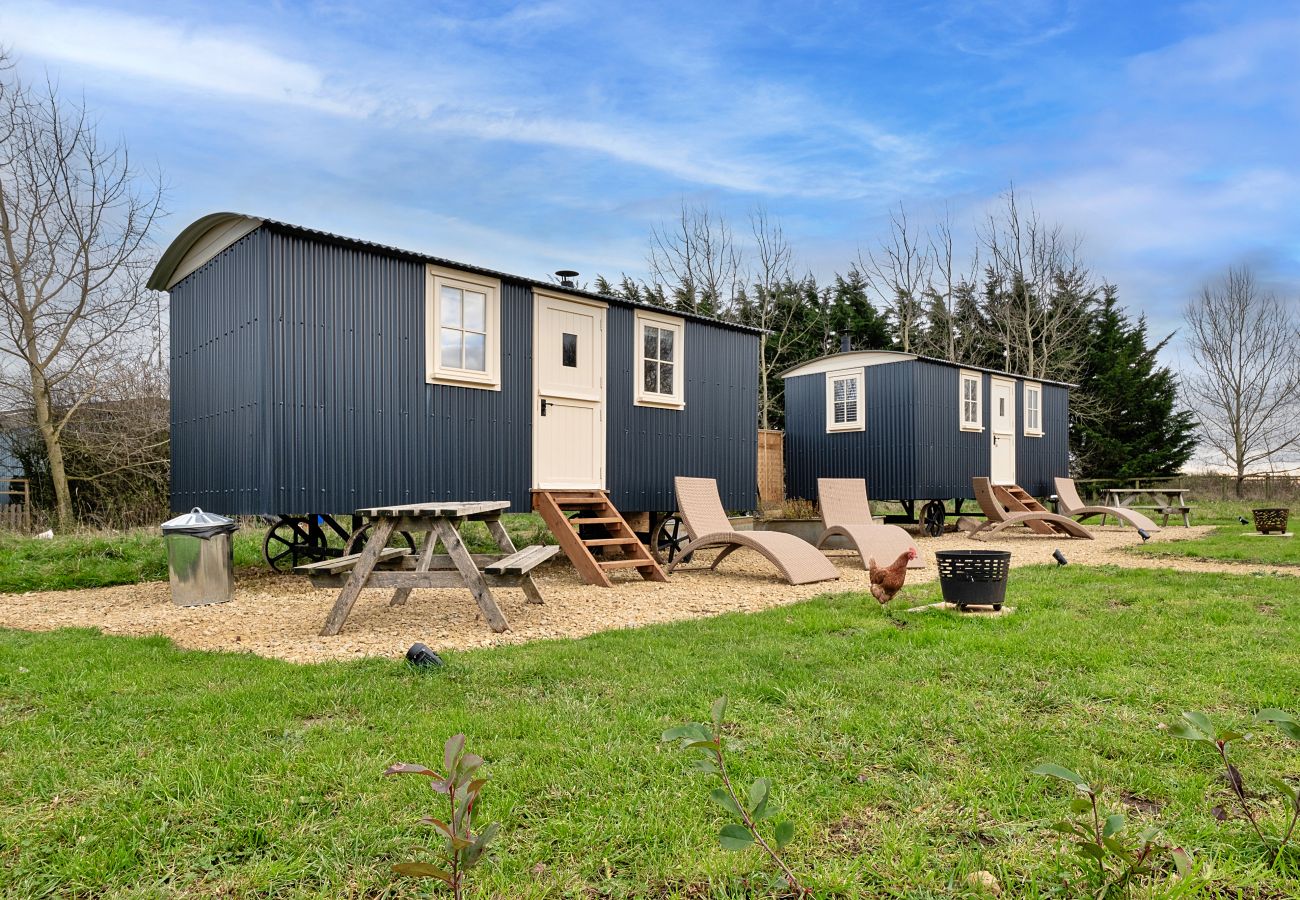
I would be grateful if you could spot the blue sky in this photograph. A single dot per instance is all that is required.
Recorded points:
(540, 136)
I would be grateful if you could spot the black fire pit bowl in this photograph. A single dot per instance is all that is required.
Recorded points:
(1268, 521)
(973, 577)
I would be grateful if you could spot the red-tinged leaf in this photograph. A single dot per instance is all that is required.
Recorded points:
(1182, 861)
(410, 769)
(423, 870)
(454, 747)
(476, 785)
(480, 844)
(470, 761)
(1234, 779)
(437, 823)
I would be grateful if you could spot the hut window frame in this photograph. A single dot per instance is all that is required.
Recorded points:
(675, 330)
(853, 403)
(970, 404)
(442, 371)
(1033, 411)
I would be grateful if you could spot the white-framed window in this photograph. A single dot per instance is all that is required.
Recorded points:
(1033, 409)
(660, 376)
(463, 329)
(971, 401)
(845, 401)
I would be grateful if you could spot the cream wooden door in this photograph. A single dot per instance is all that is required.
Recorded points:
(569, 401)
(1002, 420)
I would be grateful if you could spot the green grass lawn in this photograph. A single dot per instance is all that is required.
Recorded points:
(1230, 542)
(101, 559)
(901, 746)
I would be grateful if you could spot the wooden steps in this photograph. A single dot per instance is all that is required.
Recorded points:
(1017, 500)
(567, 512)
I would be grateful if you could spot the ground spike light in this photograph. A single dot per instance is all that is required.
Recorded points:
(1059, 557)
(1243, 520)
(1144, 534)
(422, 657)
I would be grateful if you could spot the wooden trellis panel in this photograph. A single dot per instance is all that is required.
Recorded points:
(771, 468)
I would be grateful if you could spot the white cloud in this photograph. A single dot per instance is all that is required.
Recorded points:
(159, 51)
(795, 146)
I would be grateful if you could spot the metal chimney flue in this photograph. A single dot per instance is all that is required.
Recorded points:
(567, 277)
(846, 343)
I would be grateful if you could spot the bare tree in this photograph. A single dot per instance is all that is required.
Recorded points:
(947, 286)
(1245, 390)
(74, 223)
(771, 307)
(1037, 292)
(696, 257)
(899, 271)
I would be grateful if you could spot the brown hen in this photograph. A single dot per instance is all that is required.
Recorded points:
(887, 582)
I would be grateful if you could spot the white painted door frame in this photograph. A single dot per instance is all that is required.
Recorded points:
(594, 398)
(1002, 431)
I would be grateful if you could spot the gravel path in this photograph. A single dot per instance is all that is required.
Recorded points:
(279, 616)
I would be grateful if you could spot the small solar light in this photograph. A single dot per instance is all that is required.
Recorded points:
(1243, 520)
(422, 657)
(1059, 557)
(1144, 534)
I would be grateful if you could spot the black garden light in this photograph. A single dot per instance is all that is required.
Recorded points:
(1243, 520)
(1144, 534)
(1059, 557)
(422, 657)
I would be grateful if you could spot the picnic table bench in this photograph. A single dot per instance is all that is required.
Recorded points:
(381, 566)
(1166, 501)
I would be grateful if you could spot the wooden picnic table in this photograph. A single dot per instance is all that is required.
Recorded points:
(1168, 501)
(381, 566)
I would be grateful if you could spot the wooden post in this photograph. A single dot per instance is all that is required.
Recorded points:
(507, 546)
(356, 581)
(447, 529)
(422, 565)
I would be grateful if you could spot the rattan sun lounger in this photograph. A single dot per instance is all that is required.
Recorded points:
(706, 521)
(1069, 504)
(1007, 508)
(846, 513)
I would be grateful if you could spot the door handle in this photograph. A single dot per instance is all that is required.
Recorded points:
(544, 406)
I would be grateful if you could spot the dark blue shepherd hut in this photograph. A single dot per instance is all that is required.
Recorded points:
(313, 373)
(919, 429)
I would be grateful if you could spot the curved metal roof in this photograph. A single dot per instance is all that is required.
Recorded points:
(209, 235)
(833, 361)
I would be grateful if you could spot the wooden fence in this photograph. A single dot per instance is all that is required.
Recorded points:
(1206, 486)
(16, 511)
(771, 468)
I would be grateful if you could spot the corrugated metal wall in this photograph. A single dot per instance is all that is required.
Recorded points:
(883, 454)
(1040, 459)
(219, 439)
(715, 436)
(298, 386)
(913, 447)
(355, 422)
(947, 457)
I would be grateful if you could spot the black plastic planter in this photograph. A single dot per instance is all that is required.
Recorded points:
(974, 577)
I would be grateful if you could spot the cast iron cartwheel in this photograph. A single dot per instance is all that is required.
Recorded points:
(357, 542)
(294, 540)
(668, 538)
(933, 515)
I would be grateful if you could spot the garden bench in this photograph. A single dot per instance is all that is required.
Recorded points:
(340, 564)
(523, 562)
(381, 566)
(1167, 511)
